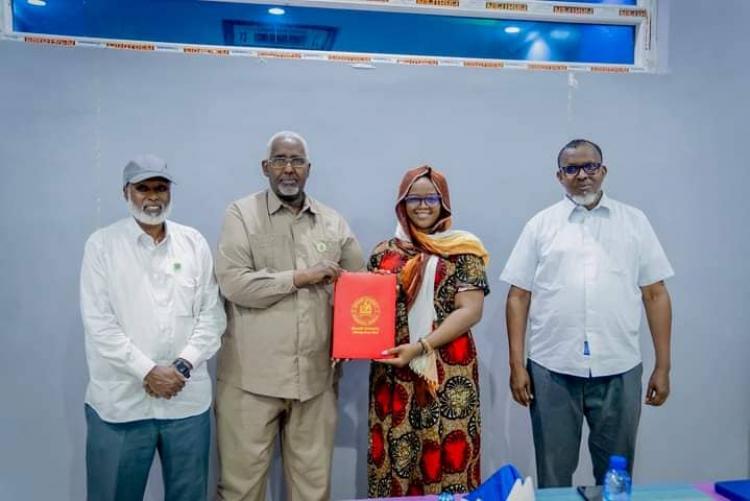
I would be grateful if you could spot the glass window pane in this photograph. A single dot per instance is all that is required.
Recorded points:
(340, 30)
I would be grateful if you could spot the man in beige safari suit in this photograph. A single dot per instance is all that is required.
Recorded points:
(279, 253)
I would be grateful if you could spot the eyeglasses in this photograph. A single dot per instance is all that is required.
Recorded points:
(429, 200)
(281, 162)
(573, 170)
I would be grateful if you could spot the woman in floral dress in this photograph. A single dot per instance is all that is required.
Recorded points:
(424, 420)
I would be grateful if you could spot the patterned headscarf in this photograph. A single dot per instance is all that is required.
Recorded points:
(436, 241)
(417, 277)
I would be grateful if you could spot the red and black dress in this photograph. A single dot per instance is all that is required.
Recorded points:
(419, 444)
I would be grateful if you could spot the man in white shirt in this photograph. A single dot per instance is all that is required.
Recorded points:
(578, 275)
(152, 317)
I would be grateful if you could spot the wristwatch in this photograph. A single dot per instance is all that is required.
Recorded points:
(183, 367)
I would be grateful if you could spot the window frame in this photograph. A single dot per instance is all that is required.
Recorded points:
(641, 16)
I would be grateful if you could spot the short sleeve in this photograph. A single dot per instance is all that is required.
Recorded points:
(653, 265)
(523, 261)
(470, 273)
(385, 257)
(373, 263)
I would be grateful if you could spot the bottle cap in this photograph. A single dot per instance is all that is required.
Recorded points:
(617, 463)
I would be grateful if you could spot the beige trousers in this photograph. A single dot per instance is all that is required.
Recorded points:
(247, 426)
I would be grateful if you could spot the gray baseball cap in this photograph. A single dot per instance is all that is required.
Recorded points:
(145, 167)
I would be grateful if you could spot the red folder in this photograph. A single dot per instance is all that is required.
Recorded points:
(364, 315)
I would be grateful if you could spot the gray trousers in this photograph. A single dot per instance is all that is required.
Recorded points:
(611, 406)
(119, 457)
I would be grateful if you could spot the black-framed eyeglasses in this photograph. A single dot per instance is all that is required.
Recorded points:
(281, 162)
(416, 200)
(589, 168)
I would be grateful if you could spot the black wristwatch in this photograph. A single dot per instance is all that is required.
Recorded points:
(183, 367)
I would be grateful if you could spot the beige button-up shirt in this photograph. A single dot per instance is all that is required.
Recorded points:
(278, 340)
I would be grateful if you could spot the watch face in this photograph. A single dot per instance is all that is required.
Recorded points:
(183, 368)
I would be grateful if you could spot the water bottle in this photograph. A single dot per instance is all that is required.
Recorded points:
(617, 480)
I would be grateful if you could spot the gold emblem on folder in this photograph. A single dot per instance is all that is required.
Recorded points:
(365, 312)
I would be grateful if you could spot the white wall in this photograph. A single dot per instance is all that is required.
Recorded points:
(674, 143)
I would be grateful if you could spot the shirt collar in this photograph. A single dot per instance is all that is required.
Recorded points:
(136, 233)
(604, 205)
(605, 202)
(274, 204)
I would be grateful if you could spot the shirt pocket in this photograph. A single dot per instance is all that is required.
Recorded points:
(185, 296)
(621, 255)
(271, 252)
(554, 269)
(327, 249)
(620, 270)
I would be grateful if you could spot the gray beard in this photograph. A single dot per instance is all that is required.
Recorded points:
(288, 191)
(146, 218)
(585, 200)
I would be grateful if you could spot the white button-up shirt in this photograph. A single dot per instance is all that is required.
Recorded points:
(584, 270)
(145, 304)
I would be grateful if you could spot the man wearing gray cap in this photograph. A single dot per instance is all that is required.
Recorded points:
(152, 318)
